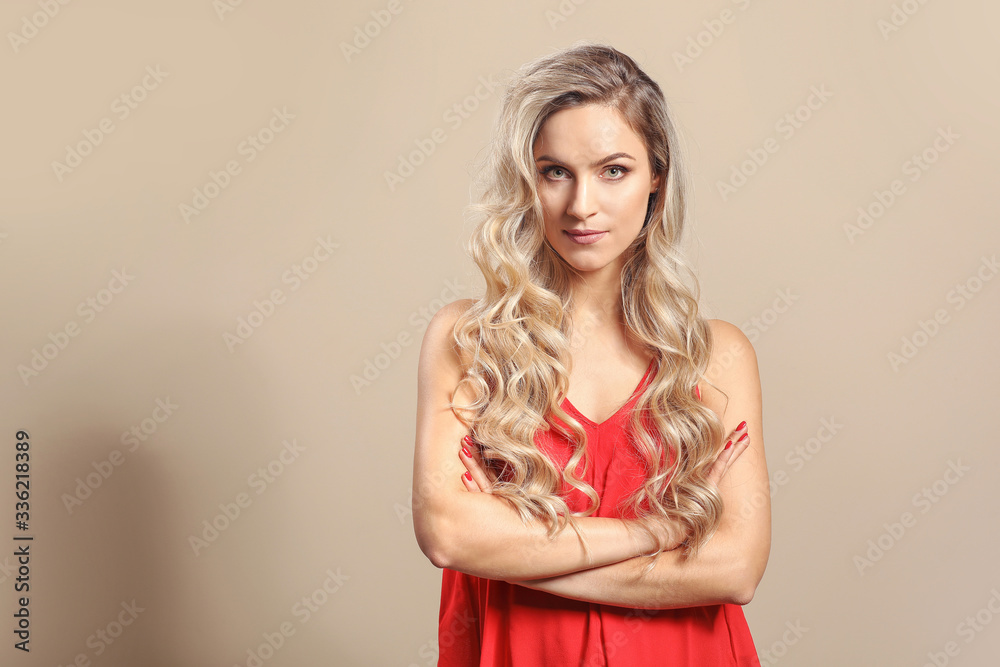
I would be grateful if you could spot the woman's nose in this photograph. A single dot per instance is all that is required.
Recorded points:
(583, 204)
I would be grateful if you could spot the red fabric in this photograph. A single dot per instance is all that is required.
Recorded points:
(483, 622)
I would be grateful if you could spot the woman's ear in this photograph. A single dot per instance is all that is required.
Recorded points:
(654, 184)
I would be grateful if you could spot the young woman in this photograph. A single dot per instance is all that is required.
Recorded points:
(585, 390)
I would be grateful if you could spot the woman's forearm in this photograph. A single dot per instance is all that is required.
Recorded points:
(483, 535)
(726, 570)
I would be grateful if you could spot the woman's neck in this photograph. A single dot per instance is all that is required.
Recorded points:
(597, 297)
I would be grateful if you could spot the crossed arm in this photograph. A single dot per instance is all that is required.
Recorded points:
(726, 569)
(460, 525)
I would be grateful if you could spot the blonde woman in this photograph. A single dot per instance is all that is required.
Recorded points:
(585, 390)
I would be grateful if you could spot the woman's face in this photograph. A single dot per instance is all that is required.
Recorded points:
(594, 185)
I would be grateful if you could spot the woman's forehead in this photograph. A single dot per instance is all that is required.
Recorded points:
(582, 134)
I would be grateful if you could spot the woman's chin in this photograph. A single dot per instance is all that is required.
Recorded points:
(591, 265)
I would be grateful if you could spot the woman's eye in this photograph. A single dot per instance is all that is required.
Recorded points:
(559, 174)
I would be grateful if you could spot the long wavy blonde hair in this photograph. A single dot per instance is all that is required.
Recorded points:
(516, 336)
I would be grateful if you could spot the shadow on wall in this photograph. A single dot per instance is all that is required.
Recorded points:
(142, 555)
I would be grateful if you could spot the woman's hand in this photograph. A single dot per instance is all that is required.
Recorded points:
(474, 477)
(736, 443)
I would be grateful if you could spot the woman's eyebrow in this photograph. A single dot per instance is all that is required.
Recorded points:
(598, 163)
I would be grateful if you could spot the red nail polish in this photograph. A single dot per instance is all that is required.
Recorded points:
(467, 440)
(468, 475)
(742, 438)
(728, 444)
(466, 452)
(742, 424)
(697, 392)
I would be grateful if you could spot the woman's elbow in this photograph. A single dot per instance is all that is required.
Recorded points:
(432, 546)
(743, 595)
(744, 582)
(432, 526)
(437, 556)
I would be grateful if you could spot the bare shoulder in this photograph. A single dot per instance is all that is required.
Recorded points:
(439, 356)
(733, 364)
(728, 340)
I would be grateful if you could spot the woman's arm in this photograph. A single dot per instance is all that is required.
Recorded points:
(478, 533)
(731, 564)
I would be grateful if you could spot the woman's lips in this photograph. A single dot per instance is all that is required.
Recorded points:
(585, 238)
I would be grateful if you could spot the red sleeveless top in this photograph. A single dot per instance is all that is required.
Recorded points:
(484, 622)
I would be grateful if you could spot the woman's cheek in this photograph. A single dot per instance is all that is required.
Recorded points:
(639, 200)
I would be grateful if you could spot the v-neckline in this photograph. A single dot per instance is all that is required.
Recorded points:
(635, 391)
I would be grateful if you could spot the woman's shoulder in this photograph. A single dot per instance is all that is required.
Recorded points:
(733, 356)
(442, 323)
(439, 338)
(728, 334)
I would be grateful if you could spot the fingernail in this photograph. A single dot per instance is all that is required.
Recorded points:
(697, 392)
(466, 452)
(742, 437)
(468, 475)
(742, 424)
(467, 440)
(728, 444)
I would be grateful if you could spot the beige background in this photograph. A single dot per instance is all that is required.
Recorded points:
(334, 512)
